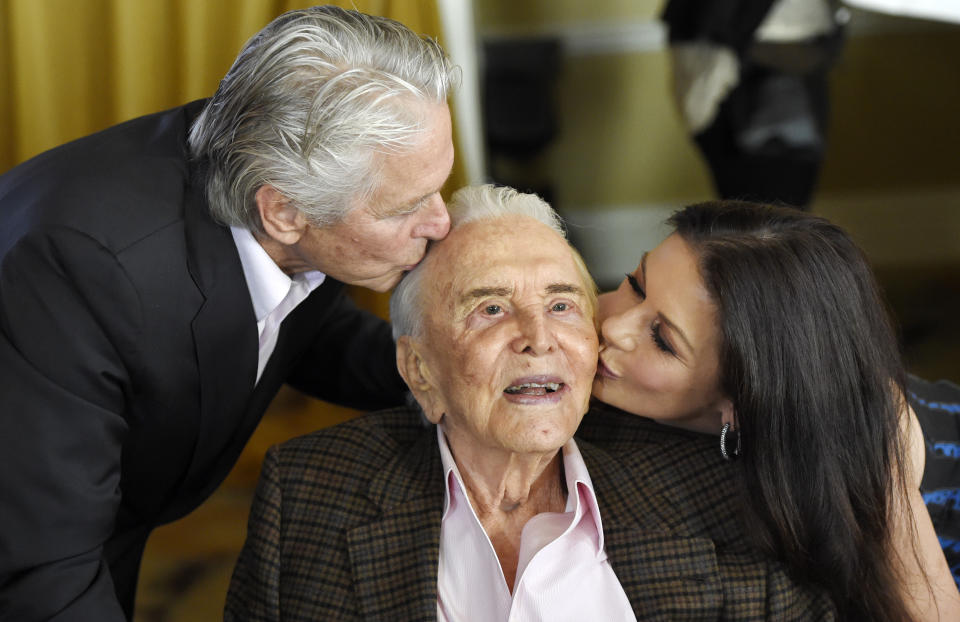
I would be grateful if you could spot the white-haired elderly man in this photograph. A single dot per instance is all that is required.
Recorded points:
(491, 511)
(160, 280)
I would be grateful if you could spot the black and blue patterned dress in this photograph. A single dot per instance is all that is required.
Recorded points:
(937, 405)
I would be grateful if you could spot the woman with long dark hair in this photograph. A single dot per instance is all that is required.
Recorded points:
(765, 325)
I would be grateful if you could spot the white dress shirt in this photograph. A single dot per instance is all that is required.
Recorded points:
(562, 574)
(273, 293)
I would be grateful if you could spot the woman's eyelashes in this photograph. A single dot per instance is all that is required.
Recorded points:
(658, 339)
(635, 284)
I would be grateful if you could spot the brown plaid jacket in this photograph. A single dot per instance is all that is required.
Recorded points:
(346, 526)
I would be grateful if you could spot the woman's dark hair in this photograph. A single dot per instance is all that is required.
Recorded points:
(810, 361)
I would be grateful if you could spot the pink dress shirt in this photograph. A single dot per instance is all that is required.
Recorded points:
(563, 572)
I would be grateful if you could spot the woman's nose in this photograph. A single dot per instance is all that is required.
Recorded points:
(620, 330)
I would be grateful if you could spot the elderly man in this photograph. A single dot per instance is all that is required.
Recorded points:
(494, 511)
(150, 275)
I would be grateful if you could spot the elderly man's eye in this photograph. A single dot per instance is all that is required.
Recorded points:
(491, 309)
(560, 306)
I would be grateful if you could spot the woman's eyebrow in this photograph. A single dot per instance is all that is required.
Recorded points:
(675, 329)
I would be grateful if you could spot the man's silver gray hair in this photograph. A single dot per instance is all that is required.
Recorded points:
(470, 204)
(308, 104)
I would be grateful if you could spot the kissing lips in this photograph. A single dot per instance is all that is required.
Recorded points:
(604, 372)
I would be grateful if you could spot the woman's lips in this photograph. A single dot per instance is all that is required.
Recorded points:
(604, 371)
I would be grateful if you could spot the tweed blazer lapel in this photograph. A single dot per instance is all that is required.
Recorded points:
(666, 576)
(395, 559)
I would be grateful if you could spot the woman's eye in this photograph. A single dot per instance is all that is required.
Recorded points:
(559, 307)
(492, 309)
(635, 285)
(658, 339)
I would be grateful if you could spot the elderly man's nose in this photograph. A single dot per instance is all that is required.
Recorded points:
(534, 335)
(435, 221)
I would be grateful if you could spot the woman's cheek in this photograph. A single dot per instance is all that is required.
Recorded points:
(652, 376)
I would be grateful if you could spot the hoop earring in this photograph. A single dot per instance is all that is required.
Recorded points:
(728, 455)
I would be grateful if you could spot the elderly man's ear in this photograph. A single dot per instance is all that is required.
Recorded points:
(281, 221)
(416, 373)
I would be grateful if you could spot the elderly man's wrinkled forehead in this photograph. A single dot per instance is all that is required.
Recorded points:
(488, 253)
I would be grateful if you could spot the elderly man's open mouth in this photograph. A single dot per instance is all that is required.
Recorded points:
(536, 389)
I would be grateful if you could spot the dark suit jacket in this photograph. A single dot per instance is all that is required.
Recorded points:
(345, 525)
(128, 350)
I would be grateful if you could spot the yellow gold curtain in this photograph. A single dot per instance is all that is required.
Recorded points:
(71, 67)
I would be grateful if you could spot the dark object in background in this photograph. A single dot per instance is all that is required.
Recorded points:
(767, 139)
(519, 112)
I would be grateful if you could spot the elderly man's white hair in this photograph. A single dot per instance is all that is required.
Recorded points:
(308, 107)
(470, 204)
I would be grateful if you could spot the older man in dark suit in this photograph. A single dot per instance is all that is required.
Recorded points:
(161, 279)
(493, 510)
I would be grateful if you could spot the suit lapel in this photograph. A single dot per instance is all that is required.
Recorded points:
(395, 559)
(224, 332)
(666, 576)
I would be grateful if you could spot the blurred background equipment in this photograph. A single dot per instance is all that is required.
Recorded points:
(750, 80)
(519, 108)
(944, 10)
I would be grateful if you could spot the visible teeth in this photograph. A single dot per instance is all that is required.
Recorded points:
(548, 386)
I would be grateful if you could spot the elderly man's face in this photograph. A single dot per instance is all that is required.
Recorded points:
(509, 348)
(386, 235)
